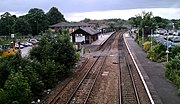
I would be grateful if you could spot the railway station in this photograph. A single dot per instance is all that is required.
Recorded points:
(90, 52)
(152, 87)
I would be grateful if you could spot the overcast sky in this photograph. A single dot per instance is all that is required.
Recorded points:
(75, 10)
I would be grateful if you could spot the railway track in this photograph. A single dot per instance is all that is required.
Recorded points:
(84, 88)
(131, 88)
(91, 83)
(58, 95)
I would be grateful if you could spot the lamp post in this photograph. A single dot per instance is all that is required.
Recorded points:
(142, 36)
(151, 38)
(167, 50)
(138, 35)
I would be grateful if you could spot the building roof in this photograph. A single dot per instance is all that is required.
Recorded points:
(66, 24)
(61, 24)
(81, 24)
(87, 30)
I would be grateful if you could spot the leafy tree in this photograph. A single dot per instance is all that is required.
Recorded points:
(160, 22)
(143, 21)
(2, 97)
(57, 56)
(6, 22)
(54, 16)
(28, 68)
(17, 89)
(21, 26)
(37, 20)
(86, 20)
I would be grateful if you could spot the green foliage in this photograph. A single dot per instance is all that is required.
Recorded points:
(17, 89)
(6, 22)
(57, 56)
(27, 67)
(178, 92)
(22, 27)
(160, 22)
(86, 20)
(174, 51)
(157, 53)
(2, 97)
(173, 70)
(54, 16)
(37, 20)
(146, 46)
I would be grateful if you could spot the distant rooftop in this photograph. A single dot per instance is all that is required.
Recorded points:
(66, 24)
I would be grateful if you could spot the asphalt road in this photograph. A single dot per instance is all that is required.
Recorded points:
(25, 51)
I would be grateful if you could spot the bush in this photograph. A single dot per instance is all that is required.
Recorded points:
(157, 53)
(174, 51)
(172, 71)
(178, 92)
(146, 46)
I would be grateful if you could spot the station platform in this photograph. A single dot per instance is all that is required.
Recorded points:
(161, 89)
(102, 38)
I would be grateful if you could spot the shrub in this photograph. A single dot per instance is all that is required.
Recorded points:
(172, 71)
(146, 46)
(178, 92)
(174, 51)
(157, 53)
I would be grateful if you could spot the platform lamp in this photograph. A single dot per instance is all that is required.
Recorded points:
(151, 38)
(167, 50)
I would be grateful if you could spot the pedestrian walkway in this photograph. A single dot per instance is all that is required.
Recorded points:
(102, 38)
(161, 89)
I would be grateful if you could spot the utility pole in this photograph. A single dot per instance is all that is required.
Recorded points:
(142, 36)
(167, 51)
(151, 38)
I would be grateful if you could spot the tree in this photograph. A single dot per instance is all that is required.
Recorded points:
(54, 16)
(57, 56)
(17, 89)
(143, 21)
(160, 22)
(86, 20)
(37, 20)
(22, 27)
(28, 68)
(6, 22)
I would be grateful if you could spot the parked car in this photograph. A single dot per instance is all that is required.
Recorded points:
(33, 41)
(17, 46)
(26, 44)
